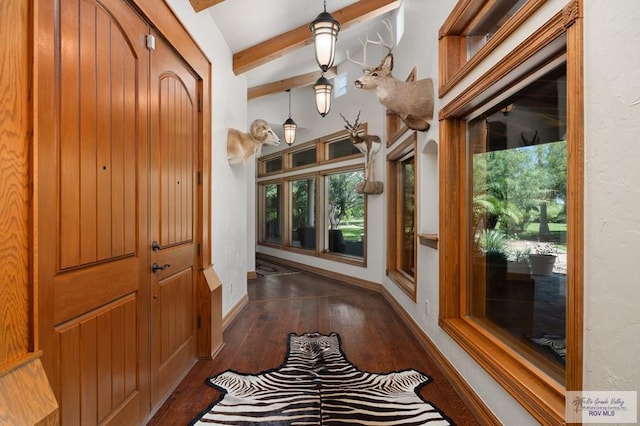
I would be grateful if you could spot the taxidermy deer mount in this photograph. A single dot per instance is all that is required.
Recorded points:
(241, 146)
(412, 101)
(368, 145)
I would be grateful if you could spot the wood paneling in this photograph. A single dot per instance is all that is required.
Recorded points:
(15, 135)
(91, 186)
(573, 20)
(25, 395)
(98, 137)
(173, 217)
(91, 204)
(209, 301)
(177, 168)
(98, 356)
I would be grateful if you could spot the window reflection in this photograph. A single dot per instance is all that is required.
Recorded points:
(272, 217)
(518, 216)
(407, 259)
(494, 17)
(345, 214)
(303, 213)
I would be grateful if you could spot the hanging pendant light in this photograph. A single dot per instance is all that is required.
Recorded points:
(289, 126)
(323, 89)
(325, 33)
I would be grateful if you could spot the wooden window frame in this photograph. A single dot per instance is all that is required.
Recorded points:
(324, 142)
(402, 280)
(261, 207)
(287, 174)
(288, 241)
(452, 45)
(262, 164)
(324, 253)
(535, 390)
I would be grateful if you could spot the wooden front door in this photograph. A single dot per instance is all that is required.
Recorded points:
(173, 218)
(118, 134)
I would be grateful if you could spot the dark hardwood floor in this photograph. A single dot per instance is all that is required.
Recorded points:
(373, 338)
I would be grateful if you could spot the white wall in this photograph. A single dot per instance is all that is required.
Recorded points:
(612, 196)
(230, 230)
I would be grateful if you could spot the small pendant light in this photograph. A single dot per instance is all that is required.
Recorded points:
(323, 89)
(325, 33)
(289, 126)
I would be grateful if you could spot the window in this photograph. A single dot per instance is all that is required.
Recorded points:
(341, 83)
(401, 257)
(518, 211)
(473, 30)
(303, 213)
(511, 181)
(345, 213)
(311, 204)
(303, 157)
(273, 165)
(271, 205)
(341, 148)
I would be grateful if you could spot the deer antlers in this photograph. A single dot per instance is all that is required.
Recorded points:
(354, 128)
(380, 41)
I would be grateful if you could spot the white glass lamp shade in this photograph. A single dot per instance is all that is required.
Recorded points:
(323, 89)
(289, 131)
(325, 33)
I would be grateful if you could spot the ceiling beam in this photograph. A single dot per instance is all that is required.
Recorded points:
(199, 5)
(266, 51)
(289, 83)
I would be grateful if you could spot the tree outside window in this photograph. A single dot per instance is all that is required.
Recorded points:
(345, 213)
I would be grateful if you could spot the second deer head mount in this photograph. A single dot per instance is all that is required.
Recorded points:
(412, 101)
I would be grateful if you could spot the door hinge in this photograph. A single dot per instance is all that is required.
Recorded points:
(151, 42)
(199, 252)
(199, 178)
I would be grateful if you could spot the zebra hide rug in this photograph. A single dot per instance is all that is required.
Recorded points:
(317, 385)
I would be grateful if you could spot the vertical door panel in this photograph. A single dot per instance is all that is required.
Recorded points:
(99, 280)
(174, 120)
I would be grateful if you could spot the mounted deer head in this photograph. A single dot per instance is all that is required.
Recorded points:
(367, 144)
(412, 101)
(241, 146)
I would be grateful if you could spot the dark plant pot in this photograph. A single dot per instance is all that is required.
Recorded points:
(336, 242)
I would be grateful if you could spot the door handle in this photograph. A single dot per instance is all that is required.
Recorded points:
(155, 267)
(155, 246)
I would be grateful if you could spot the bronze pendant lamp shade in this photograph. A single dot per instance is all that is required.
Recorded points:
(289, 126)
(325, 33)
(323, 89)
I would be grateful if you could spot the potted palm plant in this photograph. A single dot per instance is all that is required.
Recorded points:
(542, 259)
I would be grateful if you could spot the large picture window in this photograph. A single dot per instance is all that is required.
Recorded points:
(518, 214)
(345, 213)
(511, 195)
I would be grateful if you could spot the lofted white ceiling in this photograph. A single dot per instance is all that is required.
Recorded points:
(245, 23)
